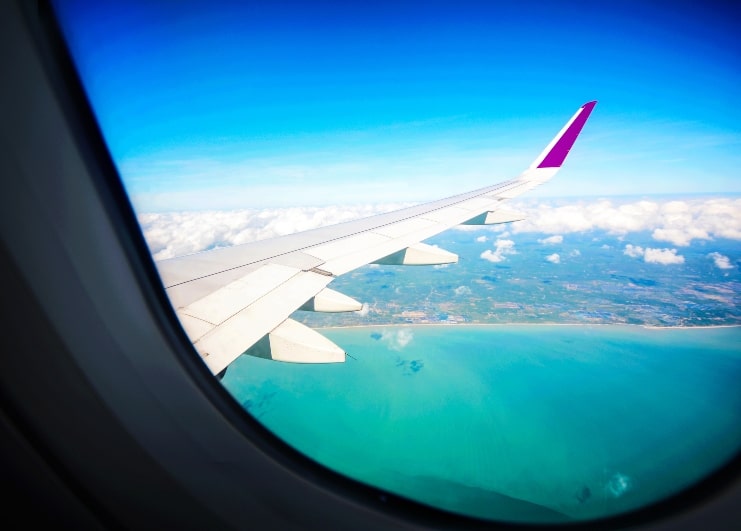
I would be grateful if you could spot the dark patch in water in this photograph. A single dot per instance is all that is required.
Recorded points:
(489, 278)
(409, 366)
(647, 282)
(262, 398)
(375, 273)
(376, 335)
(584, 494)
(643, 281)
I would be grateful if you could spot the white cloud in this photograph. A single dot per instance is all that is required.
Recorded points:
(462, 290)
(662, 256)
(654, 256)
(508, 245)
(491, 256)
(552, 240)
(721, 262)
(680, 236)
(397, 339)
(575, 252)
(502, 248)
(634, 251)
(553, 258)
(676, 222)
(363, 311)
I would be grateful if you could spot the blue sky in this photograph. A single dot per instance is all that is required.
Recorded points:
(210, 105)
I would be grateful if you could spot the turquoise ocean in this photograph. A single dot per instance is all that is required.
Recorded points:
(533, 423)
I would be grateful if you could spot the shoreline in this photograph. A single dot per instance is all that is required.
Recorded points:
(462, 325)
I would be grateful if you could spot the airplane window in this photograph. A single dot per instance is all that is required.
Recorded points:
(523, 353)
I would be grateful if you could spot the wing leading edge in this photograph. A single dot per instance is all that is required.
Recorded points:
(238, 299)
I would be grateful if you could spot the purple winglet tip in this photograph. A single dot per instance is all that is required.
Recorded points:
(558, 152)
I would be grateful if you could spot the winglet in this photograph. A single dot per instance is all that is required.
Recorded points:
(554, 155)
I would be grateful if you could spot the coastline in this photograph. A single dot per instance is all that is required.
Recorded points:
(463, 325)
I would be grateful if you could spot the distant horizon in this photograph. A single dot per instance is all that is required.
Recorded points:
(530, 197)
(678, 220)
(463, 325)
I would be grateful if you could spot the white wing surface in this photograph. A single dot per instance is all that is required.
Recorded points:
(238, 299)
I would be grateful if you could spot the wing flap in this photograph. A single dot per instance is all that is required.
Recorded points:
(221, 304)
(194, 327)
(353, 244)
(223, 343)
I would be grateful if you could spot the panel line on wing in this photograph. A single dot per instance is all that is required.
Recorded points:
(221, 304)
(230, 339)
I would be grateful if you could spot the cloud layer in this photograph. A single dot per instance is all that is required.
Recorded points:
(674, 221)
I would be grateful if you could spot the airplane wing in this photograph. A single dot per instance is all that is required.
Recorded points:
(238, 299)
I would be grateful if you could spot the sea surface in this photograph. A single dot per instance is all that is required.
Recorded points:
(526, 423)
